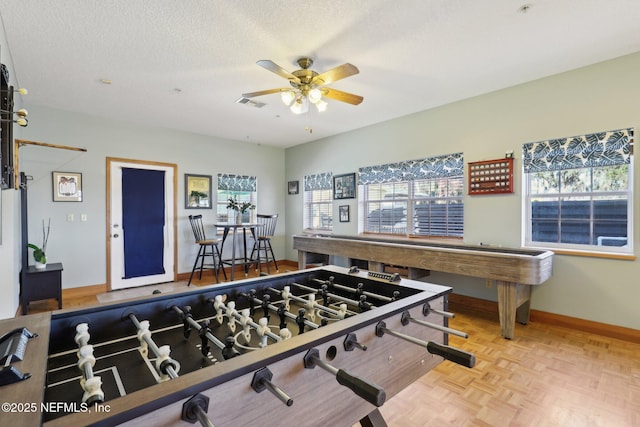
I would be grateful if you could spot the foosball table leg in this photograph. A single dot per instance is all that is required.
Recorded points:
(373, 419)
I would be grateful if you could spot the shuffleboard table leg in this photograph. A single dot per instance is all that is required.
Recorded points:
(513, 301)
(302, 260)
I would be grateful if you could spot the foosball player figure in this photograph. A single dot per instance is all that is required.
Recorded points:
(204, 329)
(186, 328)
(245, 317)
(229, 351)
(286, 293)
(231, 315)
(263, 328)
(218, 306)
(282, 314)
(363, 304)
(324, 291)
(300, 321)
(266, 300)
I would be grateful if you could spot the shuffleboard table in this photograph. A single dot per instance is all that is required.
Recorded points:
(514, 270)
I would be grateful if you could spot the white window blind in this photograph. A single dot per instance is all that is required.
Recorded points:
(422, 197)
(318, 202)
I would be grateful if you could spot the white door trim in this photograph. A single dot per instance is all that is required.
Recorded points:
(113, 166)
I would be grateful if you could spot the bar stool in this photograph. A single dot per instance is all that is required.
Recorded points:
(262, 243)
(208, 247)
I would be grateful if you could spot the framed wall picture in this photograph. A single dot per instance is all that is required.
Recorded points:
(343, 212)
(67, 187)
(197, 191)
(344, 186)
(293, 187)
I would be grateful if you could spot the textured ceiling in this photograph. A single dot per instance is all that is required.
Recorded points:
(181, 65)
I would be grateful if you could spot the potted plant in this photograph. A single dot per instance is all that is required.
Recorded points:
(239, 208)
(39, 253)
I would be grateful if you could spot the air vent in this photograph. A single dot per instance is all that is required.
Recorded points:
(247, 101)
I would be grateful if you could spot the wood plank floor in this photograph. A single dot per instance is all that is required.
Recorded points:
(545, 376)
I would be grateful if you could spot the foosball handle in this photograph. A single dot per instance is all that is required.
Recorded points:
(369, 392)
(453, 354)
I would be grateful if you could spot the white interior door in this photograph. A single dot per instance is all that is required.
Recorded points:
(116, 234)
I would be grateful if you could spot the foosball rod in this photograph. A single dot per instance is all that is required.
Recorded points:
(288, 314)
(370, 392)
(250, 322)
(355, 291)
(198, 327)
(426, 309)
(82, 339)
(304, 301)
(92, 385)
(450, 353)
(406, 318)
(334, 296)
(170, 371)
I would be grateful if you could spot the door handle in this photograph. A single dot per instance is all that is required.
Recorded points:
(115, 236)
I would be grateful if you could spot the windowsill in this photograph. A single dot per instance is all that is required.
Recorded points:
(588, 254)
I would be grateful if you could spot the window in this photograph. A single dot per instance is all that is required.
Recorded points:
(318, 202)
(579, 192)
(240, 187)
(429, 191)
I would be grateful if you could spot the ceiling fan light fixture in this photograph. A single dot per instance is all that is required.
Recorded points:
(315, 96)
(301, 105)
(287, 97)
(321, 106)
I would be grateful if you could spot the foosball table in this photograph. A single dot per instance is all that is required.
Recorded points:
(318, 347)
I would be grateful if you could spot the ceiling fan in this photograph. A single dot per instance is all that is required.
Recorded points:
(307, 86)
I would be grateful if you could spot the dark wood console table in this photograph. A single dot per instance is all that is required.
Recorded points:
(37, 284)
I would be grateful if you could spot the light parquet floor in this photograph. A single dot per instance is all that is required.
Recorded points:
(546, 376)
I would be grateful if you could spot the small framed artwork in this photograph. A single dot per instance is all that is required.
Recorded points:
(343, 212)
(67, 187)
(293, 187)
(197, 191)
(344, 186)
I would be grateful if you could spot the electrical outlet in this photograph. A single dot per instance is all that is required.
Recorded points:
(83, 217)
(70, 217)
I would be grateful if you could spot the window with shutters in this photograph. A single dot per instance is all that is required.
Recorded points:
(420, 197)
(318, 202)
(240, 187)
(579, 192)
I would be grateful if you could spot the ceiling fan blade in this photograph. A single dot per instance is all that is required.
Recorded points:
(335, 74)
(263, 92)
(339, 95)
(275, 68)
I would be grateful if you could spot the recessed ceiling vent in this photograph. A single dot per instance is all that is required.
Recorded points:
(247, 101)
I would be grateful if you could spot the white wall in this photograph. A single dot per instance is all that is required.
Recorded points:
(81, 246)
(600, 97)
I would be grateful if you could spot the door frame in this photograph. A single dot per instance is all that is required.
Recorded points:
(174, 166)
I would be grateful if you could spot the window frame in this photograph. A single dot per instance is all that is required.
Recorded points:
(410, 201)
(591, 196)
(320, 185)
(588, 156)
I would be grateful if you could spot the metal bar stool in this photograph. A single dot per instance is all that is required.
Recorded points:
(262, 243)
(208, 247)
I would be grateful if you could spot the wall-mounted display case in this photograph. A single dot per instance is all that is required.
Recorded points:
(491, 176)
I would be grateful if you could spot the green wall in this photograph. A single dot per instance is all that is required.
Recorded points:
(600, 97)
